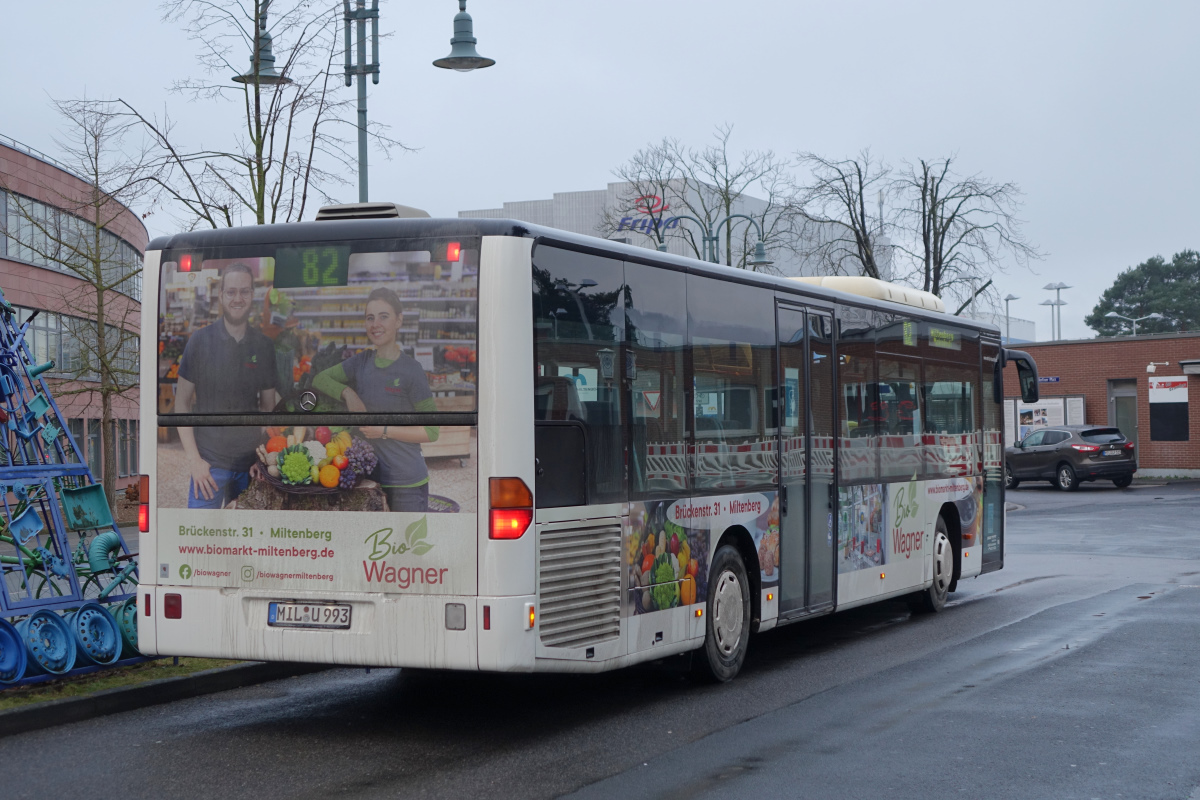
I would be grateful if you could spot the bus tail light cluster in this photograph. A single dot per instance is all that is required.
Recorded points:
(144, 503)
(173, 606)
(511, 508)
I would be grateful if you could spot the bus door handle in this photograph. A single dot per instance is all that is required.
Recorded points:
(832, 498)
(783, 505)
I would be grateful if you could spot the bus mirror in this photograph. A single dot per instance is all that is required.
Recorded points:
(1026, 374)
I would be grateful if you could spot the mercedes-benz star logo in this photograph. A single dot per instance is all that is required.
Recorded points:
(308, 401)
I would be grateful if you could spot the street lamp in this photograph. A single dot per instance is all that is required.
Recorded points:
(1058, 301)
(1053, 305)
(262, 61)
(1115, 315)
(1007, 324)
(463, 57)
(711, 240)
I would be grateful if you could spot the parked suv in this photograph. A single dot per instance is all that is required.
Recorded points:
(1067, 455)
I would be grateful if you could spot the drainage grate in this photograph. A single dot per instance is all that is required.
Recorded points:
(579, 579)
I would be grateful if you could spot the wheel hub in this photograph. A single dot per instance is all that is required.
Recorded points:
(943, 563)
(728, 614)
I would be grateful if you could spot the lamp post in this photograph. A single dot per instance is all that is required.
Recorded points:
(262, 70)
(462, 58)
(1007, 323)
(1115, 315)
(711, 240)
(1058, 301)
(1053, 307)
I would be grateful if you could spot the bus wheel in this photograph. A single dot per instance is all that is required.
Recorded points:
(727, 625)
(933, 599)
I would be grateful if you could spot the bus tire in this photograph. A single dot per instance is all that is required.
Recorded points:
(933, 599)
(727, 619)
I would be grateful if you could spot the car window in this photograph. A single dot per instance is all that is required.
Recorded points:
(1054, 437)
(1034, 439)
(1102, 436)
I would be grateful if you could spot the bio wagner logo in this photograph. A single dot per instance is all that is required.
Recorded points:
(377, 570)
(907, 509)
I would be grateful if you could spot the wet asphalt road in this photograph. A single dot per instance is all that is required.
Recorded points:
(1073, 672)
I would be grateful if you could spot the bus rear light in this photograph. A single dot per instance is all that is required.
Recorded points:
(487, 618)
(531, 613)
(185, 263)
(510, 493)
(512, 508)
(453, 251)
(510, 523)
(147, 609)
(1085, 448)
(173, 606)
(144, 503)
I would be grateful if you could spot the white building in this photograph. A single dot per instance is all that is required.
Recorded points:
(586, 212)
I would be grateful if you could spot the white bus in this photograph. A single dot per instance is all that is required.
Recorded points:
(385, 440)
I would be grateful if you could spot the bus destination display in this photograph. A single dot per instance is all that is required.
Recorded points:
(315, 266)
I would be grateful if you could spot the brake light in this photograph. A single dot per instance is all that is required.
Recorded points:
(1129, 445)
(144, 503)
(185, 263)
(510, 523)
(453, 251)
(173, 606)
(512, 508)
(1085, 448)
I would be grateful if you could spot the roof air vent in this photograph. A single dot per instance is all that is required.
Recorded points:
(370, 211)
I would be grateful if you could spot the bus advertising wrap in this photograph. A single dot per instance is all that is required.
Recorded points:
(365, 552)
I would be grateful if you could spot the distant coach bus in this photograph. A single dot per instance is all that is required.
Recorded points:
(387, 440)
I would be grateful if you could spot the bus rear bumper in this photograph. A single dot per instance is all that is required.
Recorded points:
(386, 630)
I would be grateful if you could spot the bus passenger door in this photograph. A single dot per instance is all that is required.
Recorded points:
(806, 459)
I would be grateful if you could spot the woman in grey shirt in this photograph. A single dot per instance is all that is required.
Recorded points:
(383, 380)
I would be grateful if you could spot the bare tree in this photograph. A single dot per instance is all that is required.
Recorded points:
(290, 148)
(652, 183)
(841, 236)
(957, 229)
(709, 184)
(77, 231)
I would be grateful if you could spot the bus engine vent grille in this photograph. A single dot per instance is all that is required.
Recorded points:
(579, 574)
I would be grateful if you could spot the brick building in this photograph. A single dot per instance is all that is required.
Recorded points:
(34, 186)
(1148, 386)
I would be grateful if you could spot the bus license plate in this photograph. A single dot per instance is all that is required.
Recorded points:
(1112, 452)
(308, 615)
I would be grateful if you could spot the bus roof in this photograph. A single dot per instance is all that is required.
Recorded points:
(402, 228)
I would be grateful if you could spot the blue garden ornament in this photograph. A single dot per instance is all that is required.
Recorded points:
(47, 493)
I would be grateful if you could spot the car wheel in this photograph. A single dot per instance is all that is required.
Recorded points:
(1122, 481)
(933, 599)
(1009, 481)
(1067, 480)
(727, 624)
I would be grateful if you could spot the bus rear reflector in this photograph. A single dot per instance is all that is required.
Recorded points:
(173, 606)
(147, 605)
(510, 523)
(487, 618)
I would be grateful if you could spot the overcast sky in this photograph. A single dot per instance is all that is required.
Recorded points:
(1091, 107)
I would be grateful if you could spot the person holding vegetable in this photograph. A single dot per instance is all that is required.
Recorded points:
(385, 380)
(227, 367)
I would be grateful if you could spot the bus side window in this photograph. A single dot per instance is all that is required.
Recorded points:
(578, 328)
(731, 335)
(656, 340)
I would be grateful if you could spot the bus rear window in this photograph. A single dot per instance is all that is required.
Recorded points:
(1102, 436)
(252, 329)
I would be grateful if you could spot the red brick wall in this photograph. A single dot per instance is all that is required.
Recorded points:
(1085, 367)
(34, 178)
